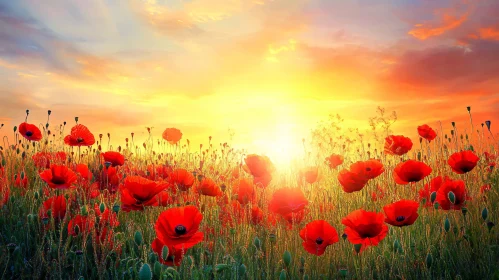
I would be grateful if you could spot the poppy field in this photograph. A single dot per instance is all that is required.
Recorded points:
(77, 204)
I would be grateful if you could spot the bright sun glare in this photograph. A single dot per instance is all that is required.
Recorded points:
(281, 149)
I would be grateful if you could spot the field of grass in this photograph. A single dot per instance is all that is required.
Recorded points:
(164, 209)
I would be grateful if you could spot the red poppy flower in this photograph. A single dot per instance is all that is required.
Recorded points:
(485, 188)
(30, 132)
(175, 253)
(58, 177)
(256, 215)
(4, 192)
(182, 179)
(79, 136)
(244, 190)
(287, 201)
(365, 228)
(172, 135)
(427, 132)
(460, 195)
(109, 179)
(397, 145)
(378, 194)
(55, 206)
(106, 218)
(262, 181)
(208, 187)
(138, 192)
(310, 174)
(21, 181)
(84, 172)
(115, 158)
(232, 213)
(180, 225)
(401, 213)
(334, 160)
(351, 182)
(368, 169)
(428, 189)
(317, 235)
(463, 162)
(159, 171)
(410, 171)
(163, 198)
(44, 159)
(257, 165)
(80, 225)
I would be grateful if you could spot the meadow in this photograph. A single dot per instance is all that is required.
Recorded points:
(374, 205)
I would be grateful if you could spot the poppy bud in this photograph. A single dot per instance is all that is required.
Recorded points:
(145, 272)
(487, 123)
(157, 268)
(15, 128)
(490, 225)
(282, 276)
(37, 195)
(357, 247)
(84, 210)
(138, 238)
(164, 253)
(485, 213)
(287, 258)
(447, 225)
(102, 207)
(452, 197)
(464, 210)
(242, 270)
(272, 237)
(31, 218)
(429, 260)
(453, 124)
(433, 196)
(76, 119)
(436, 205)
(257, 242)
(343, 272)
(344, 236)
(116, 209)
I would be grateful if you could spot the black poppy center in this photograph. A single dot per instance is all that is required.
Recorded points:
(29, 133)
(319, 241)
(58, 181)
(180, 230)
(79, 140)
(368, 169)
(400, 218)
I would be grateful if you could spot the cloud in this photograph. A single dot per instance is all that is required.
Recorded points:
(447, 20)
(447, 68)
(27, 44)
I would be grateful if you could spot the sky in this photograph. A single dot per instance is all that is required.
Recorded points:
(267, 70)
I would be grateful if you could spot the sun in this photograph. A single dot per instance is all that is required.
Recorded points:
(282, 149)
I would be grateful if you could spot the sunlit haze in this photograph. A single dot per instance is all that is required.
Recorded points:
(262, 73)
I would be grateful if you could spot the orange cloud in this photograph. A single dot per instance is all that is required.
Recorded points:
(489, 33)
(448, 22)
